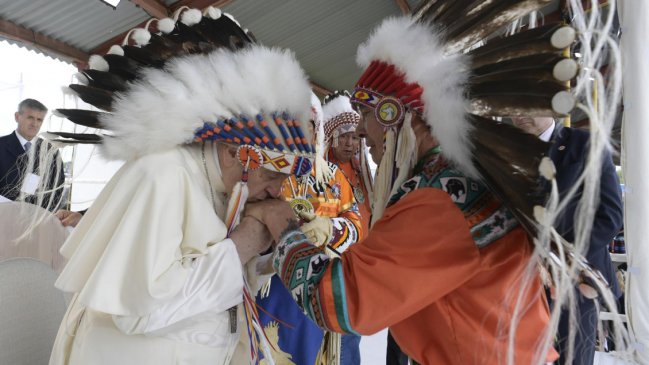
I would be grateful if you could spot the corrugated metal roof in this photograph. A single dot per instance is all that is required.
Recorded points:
(83, 24)
(323, 34)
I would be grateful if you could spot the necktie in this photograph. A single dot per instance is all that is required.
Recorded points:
(27, 146)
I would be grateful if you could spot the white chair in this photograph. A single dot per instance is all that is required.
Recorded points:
(43, 241)
(31, 310)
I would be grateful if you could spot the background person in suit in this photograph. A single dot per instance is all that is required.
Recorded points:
(568, 154)
(14, 154)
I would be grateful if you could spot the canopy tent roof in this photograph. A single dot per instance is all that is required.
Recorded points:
(323, 34)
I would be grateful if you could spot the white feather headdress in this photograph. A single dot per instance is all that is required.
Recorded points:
(417, 55)
(201, 77)
(339, 115)
(167, 106)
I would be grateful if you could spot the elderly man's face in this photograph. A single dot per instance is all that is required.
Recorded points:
(264, 184)
(347, 147)
(370, 129)
(534, 126)
(29, 122)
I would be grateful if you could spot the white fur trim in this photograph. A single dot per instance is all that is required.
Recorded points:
(166, 25)
(563, 102)
(540, 215)
(141, 37)
(565, 69)
(383, 183)
(165, 107)
(115, 49)
(232, 18)
(322, 172)
(547, 168)
(191, 17)
(417, 50)
(317, 114)
(212, 12)
(337, 106)
(97, 62)
(563, 37)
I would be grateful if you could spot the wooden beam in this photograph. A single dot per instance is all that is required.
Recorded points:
(404, 6)
(44, 43)
(198, 4)
(319, 89)
(154, 8)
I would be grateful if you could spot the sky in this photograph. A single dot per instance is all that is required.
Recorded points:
(27, 74)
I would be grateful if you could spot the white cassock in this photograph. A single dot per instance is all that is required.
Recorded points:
(152, 270)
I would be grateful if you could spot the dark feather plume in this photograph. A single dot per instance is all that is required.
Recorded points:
(468, 21)
(87, 118)
(123, 66)
(526, 43)
(508, 159)
(207, 35)
(84, 138)
(99, 98)
(534, 67)
(105, 80)
(144, 55)
(163, 48)
(502, 105)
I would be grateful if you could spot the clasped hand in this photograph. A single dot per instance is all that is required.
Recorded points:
(277, 215)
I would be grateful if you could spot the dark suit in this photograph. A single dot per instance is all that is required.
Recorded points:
(568, 154)
(13, 160)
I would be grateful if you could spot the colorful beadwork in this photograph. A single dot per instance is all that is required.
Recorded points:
(250, 157)
(287, 151)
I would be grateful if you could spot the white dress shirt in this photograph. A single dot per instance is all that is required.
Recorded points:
(547, 134)
(22, 139)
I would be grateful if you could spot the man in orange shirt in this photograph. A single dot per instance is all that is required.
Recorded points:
(444, 265)
(344, 149)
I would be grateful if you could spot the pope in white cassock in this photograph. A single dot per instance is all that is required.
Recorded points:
(158, 264)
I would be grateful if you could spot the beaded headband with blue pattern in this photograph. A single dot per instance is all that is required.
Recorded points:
(287, 152)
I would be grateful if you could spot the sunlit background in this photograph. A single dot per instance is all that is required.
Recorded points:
(27, 74)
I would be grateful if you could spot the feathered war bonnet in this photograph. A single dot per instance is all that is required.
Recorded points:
(339, 116)
(443, 64)
(416, 64)
(199, 77)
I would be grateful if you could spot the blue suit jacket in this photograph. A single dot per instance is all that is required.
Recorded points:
(12, 163)
(568, 154)
(12, 156)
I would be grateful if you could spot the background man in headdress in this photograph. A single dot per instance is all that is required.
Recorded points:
(156, 264)
(568, 153)
(14, 155)
(345, 149)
